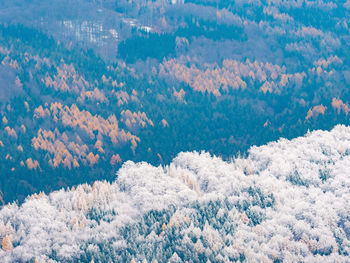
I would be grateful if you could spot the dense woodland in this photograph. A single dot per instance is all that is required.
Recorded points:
(78, 99)
(284, 202)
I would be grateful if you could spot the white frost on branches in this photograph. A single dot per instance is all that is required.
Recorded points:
(308, 178)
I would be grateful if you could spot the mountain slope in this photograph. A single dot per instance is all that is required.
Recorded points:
(161, 77)
(286, 201)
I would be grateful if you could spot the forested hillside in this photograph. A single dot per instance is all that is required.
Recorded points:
(287, 201)
(87, 85)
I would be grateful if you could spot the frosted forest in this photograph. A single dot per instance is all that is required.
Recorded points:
(179, 131)
(287, 201)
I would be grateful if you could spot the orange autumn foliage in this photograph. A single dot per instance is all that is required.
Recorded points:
(4, 120)
(122, 96)
(179, 95)
(115, 159)
(94, 95)
(11, 132)
(136, 119)
(339, 106)
(232, 74)
(32, 164)
(315, 111)
(98, 146)
(6, 243)
(67, 79)
(93, 159)
(73, 117)
(164, 123)
(41, 113)
(62, 151)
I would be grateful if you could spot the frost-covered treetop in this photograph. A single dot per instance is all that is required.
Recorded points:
(287, 201)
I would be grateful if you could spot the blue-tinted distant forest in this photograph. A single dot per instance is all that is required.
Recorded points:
(86, 85)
